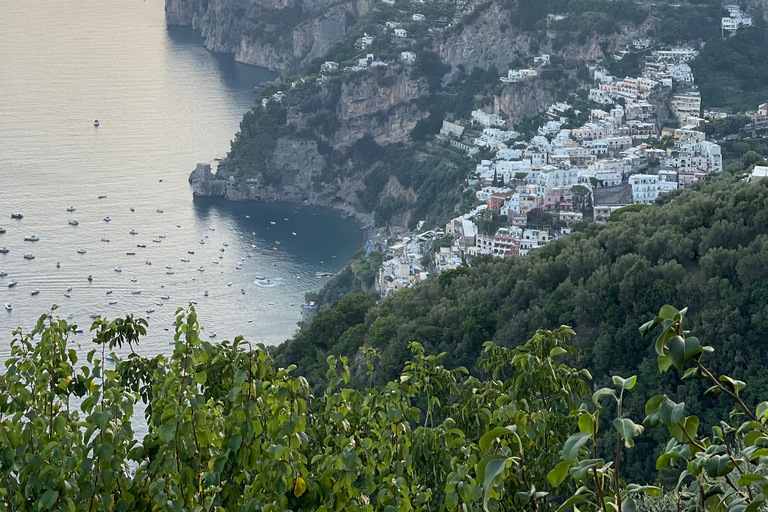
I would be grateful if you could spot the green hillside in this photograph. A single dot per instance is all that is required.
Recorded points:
(706, 248)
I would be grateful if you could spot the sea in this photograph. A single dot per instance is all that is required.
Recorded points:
(163, 103)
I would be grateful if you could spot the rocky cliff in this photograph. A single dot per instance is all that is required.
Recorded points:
(277, 34)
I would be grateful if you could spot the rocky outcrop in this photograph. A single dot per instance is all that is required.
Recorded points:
(523, 99)
(277, 34)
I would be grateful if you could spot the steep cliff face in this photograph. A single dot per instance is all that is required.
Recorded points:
(524, 99)
(276, 34)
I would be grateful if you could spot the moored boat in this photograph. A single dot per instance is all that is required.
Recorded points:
(73, 223)
(35, 292)
(31, 238)
(29, 256)
(8, 306)
(17, 216)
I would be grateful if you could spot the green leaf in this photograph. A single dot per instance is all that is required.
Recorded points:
(670, 412)
(761, 410)
(650, 490)
(668, 312)
(653, 404)
(494, 434)
(47, 500)
(573, 445)
(490, 470)
(733, 384)
(570, 502)
(600, 393)
(664, 361)
(713, 392)
(300, 487)
(682, 350)
(586, 423)
(167, 431)
(557, 475)
(628, 504)
(557, 351)
(719, 465)
(628, 430)
(201, 377)
(625, 383)
(751, 478)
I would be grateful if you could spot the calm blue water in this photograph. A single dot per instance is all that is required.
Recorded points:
(164, 103)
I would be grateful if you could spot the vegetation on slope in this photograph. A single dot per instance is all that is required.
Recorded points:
(707, 247)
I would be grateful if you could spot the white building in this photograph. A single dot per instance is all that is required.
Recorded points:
(408, 56)
(418, 17)
(488, 120)
(401, 32)
(647, 187)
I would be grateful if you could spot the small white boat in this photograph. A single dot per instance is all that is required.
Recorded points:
(71, 209)
(109, 292)
(29, 256)
(202, 241)
(31, 238)
(96, 123)
(133, 279)
(81, 251)
(193, 302)
(238, 267)
(136, 292)
(247, 216)
(161, 236)
(200, 269)
(169, 267)
(105, 239)
(95, 316)
(225, 244)
(69, 288)
(212, 228)
(156, 240)
(134, 232)
(67, 295)
(221, 249)
(158, 303)
(242, 291)
(169, 272)
(34, 292)
(132, 209)
(8, 306)
(147, 262)
(73, 223)
(107, 218)
(90, 278)
(118, 269)
(159, 210)
(206, 293)
(164, 297)
(294, 233)
(216, 262)
(185, 260)
(229, 283)
(141, 246)
(273, 223)
(190, 252)
(231, 229)
(3, 273)
(212, 335)
(150, 310)
(112, 302)
(178, 225)
(205, 236)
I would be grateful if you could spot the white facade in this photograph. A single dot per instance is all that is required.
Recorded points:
(647, 187)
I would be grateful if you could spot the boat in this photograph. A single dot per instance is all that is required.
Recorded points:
(158, 303)
(107, 218)
(118, 269)
(133, 279)
(134, 232)
(260, 278)
(109, 292)
(216, 262)
(81, 251)
(206, 293)
(141, 246)
(17, 216)
(148, 262)
(78, 331)
(71, 209)
(161, 236)
(225, 244)
(130, 254)
(112, 302)
(3, 250)
(323, 274)
(136, 292)
(67, 294)
(159, 210)
(221, 249)
(73, 223)
(247, 216)
(102, 197)
(58, 264)
(273, 223)
(3, 273)
(95, 316)
(229, 283)
(69, 289)
(212, 335)
(8, 306)
(193, 302)
(212, 228)
(238, 267)
(105, 239)
(294, 233)
(205, 236)
(90, 278)
(185, 260)
(200, 269)
(29, 256)
(169, 272)
(96, 123)
(178, 225)
(34, 292)
(242, 291)
(150, 310)
(164, 297)
(169, 267)
(132, 209)
(190, 252)
(31, 238)
(156, 240)
(202, 241)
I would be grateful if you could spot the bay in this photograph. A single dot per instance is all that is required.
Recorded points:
(163, 103)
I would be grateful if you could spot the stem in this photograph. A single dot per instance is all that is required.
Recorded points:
(727, 391)
(618, 452)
